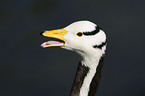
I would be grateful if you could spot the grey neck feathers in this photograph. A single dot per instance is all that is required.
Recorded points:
(81, 74)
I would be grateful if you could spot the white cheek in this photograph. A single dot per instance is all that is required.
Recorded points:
(72, 41)
(69, 39)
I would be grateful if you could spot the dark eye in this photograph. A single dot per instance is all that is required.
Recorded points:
(79, 34)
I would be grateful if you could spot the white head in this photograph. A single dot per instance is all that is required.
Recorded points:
(83, 37)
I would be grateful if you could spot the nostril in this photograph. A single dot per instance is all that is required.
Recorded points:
(55, 33)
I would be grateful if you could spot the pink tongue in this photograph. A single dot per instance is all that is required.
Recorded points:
(52, 42)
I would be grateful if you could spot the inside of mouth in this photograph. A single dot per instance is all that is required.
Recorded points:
(52, 42)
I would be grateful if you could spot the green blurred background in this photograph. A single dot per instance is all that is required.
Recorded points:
(26, 69)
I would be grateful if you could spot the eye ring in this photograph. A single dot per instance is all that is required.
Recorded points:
(80, 34)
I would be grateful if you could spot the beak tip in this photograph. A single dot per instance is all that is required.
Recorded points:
(41, 33)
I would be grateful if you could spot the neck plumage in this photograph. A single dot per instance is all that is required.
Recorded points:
(88, 77)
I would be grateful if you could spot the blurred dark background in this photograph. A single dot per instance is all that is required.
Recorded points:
(26, 69)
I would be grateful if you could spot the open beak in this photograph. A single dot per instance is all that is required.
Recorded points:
(58, 34)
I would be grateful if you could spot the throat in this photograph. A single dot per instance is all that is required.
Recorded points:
(87, 78)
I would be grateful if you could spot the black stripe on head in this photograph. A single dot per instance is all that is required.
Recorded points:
(98, 28)
(78, 81)
(101, 45)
